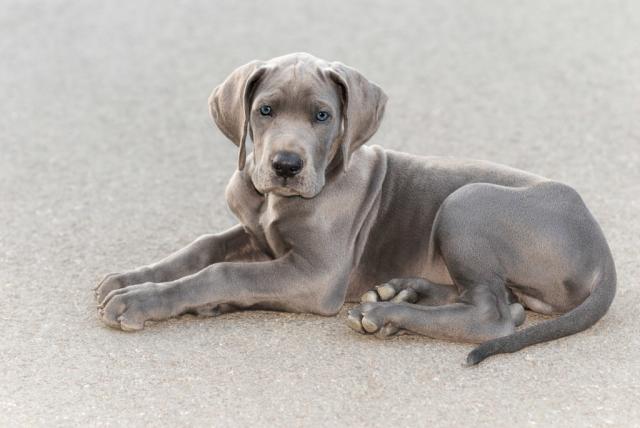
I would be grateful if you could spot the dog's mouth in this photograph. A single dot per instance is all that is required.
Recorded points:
(286, 187)
(283, 190)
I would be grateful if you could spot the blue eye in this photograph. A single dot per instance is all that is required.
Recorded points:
(321, 116)
(265, 110)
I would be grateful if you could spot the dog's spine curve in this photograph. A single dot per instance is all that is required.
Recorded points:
(582, 317)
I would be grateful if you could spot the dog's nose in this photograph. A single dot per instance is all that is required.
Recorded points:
(286, 164)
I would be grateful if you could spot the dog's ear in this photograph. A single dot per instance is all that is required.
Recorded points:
(363, 105)
(230, 104)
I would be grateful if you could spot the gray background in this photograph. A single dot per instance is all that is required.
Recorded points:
(108, 160)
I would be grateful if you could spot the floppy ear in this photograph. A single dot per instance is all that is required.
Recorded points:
(230, 104)
(363, 105)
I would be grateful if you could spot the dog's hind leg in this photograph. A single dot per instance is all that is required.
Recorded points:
(484, 308)
(426, 293)
(480, 313)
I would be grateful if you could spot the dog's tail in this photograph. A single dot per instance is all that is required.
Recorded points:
(578, 319)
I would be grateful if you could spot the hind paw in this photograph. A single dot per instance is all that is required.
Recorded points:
(375, 318)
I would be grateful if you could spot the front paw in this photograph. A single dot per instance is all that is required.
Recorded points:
(128, 308)
(110, 282)
(374, 317)
(391, 291)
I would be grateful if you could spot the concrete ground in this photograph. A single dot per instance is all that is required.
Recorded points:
(109, 160)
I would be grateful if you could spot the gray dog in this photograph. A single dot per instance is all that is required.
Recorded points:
(459, 248)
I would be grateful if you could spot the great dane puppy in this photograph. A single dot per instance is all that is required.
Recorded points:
(458, 248)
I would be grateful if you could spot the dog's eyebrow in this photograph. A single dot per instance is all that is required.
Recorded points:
(269, 95)
(322, 102)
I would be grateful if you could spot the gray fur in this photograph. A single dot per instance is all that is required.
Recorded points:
(458, 248)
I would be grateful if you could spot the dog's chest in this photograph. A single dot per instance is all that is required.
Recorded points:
(264, 225)
(267, 227)
(258, 214)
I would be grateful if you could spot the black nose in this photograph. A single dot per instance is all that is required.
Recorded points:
(286, 164)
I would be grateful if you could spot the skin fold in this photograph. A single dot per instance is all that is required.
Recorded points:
(455, 248)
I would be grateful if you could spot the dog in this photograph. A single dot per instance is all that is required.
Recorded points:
(458, 249)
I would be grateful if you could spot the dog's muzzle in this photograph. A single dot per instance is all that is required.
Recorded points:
(287, 164)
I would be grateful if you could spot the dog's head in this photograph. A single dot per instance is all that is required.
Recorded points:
(301, 113)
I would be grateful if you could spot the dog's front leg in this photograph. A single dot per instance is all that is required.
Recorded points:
(232, 244)
(289, 283)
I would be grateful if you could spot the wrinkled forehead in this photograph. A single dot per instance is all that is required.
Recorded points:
(297, 85)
